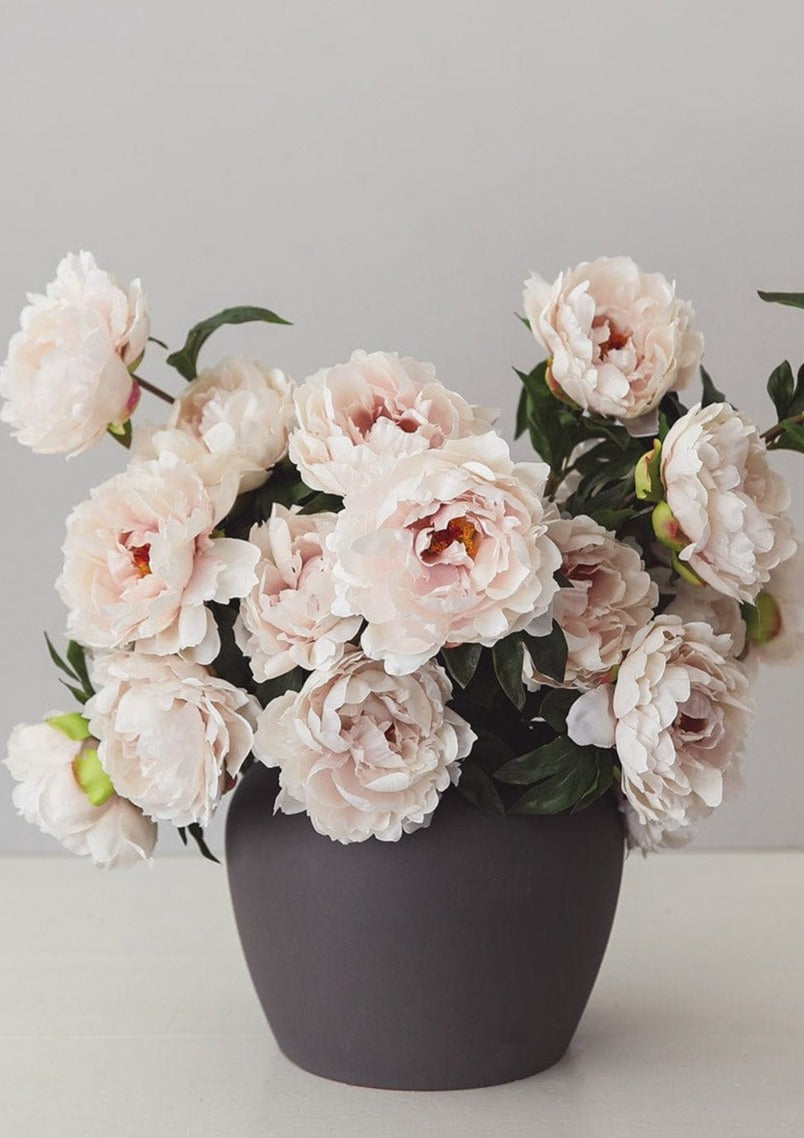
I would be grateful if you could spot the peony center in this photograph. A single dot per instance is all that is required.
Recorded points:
(140, 555)
(615, 338)
(457, 530)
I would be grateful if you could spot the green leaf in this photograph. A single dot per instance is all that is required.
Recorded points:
(541, 763)
(79, 693)
(549, 653)
(272, 689)
(571, 783)
(781, 388)
(477, 787)
(156, 340)
(185, 360)
(602, 782)
(197, 834)
(555, 707)
(521, 414)
(710, 392)
(121, 433)
(792, 438)
(73, 725)
(508, 655)
(76, 657)
(791, 299)
(323, 504)
(182, 832)
(461, 662)
(57, 660)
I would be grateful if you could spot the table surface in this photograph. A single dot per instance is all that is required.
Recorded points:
(127, 1011)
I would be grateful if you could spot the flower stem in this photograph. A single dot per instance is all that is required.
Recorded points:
(777, 429)
(154, 390)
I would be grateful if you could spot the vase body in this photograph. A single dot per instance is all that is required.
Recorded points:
(461, 956)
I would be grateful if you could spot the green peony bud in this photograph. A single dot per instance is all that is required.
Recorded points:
(92, 778)
(74, 725)
(763, 619)
(666, 528)
(685, 572)
(647, 479)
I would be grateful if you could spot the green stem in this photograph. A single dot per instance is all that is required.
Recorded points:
(154, 390)
(778, 428)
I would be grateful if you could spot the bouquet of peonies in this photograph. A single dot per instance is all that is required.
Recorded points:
(351, 580)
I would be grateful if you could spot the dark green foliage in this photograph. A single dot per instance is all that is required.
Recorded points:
(185, 360)
(462, 662)
(75, 667)
(478, 788)
(710, 392)
(791, 299)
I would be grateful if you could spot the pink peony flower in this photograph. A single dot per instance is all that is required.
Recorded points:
(728, 503)
(450, 547)
(610, 598)
(172, 737)
(286, 620)
(365, 754)
(49, 766)
(141, 561)
(677, 713)
(617, 338)
(360, 418)
(66, 377)
(242, 414)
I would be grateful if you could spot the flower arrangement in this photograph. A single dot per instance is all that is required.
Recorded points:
(351, 580)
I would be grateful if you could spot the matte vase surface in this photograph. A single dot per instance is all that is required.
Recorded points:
(461, 956)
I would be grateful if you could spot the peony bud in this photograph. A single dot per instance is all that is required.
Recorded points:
(647, 476)
(92, 778)
(666, 528)
(763, 619)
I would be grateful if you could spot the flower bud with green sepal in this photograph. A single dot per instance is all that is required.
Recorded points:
(647, 476)
(87, 769)
(556, 388)
(763, 619)
(666, 527)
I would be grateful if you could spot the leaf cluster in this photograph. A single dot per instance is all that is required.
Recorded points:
(75, 668)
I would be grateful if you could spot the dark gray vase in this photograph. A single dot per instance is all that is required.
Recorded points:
(461, 956)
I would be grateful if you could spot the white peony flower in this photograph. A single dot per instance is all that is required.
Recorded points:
(172, 737)
(611, 597)
(777, 627)
(66, 377)
(617, 338)
(365, 754)
(358, 419)
(50, 767)
(702, 604)
(242, 414)
(286, 620)
(141, 560)
(728, 503)
(450, 547)
(677, 713)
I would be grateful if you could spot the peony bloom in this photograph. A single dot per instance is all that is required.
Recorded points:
(66, 377)
(141, 560)
(777, 627)
(172, 737)
(450, 547)
(610, 599)
(286, 620)
(50, 767)
(728, 503)
(242, 414)
(704, 605)
(677, 713)
(365, 754)
(617, 338)
(360, 418)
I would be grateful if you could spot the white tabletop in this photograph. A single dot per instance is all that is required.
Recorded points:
(127, 1011)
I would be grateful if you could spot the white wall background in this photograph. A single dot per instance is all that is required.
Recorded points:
(385, 175)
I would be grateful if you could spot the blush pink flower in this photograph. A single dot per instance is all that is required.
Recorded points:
(142, 559)
(678, 714)
(618, 339)
(47, 766)
(286, 620)
(450, 547)
(609, 599)
(172, 737)
(363, 753)
(66, 377)
(358, 419)
(241, 413)
(728, 503)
